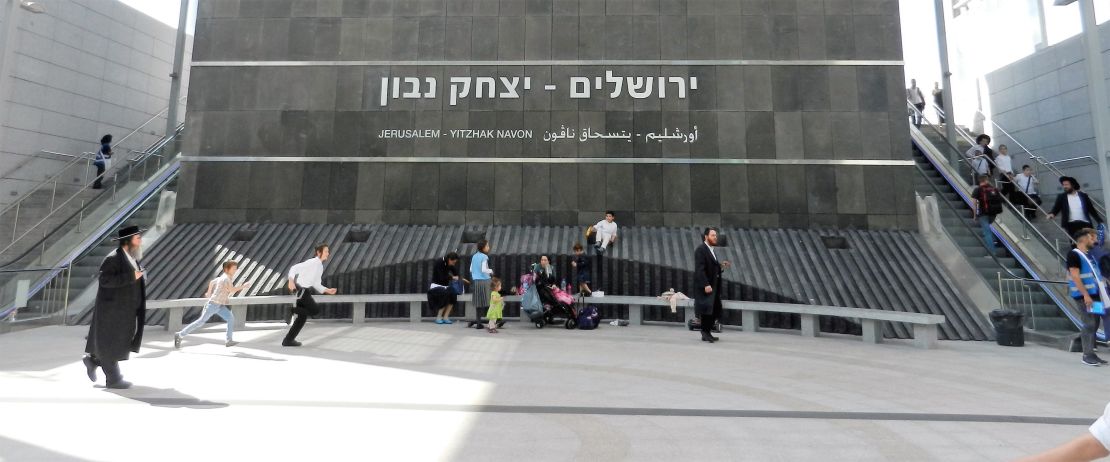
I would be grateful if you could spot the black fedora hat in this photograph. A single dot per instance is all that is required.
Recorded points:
(127, 232)
(1074, 182)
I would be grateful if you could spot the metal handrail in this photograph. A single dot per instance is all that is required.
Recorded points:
(1049, 165)
(148, 121)
(55, 176)
(16, 239)
(957, 213)
(52, 179)
(64, 154)
(86, 246)
(1072, 159)
(1019, 212)
(1000, 266)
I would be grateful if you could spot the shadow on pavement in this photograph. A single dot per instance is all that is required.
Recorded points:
(165, 397)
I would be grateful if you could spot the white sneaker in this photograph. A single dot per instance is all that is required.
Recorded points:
(230, 343)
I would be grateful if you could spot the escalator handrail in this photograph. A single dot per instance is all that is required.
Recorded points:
(105, 230)
(1017, 211)
(80, 210)
(1039, 159)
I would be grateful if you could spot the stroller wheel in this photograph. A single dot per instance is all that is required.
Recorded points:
(539, 324)
(571, 323)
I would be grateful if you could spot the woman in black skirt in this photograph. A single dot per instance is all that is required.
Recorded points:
(440, 296)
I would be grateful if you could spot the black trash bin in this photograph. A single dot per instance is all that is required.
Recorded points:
(1008, 327)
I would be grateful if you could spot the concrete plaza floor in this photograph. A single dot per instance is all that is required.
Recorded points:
(404, 392)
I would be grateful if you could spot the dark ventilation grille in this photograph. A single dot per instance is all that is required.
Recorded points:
(357, 236)
(835, 242)
(472, 237)
(243, 235)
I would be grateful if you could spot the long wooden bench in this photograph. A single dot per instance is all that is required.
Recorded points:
(924, 325)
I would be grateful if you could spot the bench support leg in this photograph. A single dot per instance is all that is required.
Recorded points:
(173, 320)
(358, 313)
(414, 312)
(925, 335)
(871, 331)
(470, 310)
(240, 312)
(750, 319)
(809, 325)
(635, 315)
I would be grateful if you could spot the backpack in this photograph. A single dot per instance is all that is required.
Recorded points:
(588, 318)
(990, 201)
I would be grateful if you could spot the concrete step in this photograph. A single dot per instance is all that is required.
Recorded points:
(1058, 324)
(1058, 339)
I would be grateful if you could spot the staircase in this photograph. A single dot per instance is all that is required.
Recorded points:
(83, 272)
(1045, 323)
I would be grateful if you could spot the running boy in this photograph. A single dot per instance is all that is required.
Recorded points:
(219, 290)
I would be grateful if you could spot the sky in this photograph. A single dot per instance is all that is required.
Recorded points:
(163, 10)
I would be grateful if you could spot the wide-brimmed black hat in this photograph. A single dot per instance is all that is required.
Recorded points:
(127, 232)
(1074, 183)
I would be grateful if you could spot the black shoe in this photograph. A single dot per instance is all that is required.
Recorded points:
(500, 323)
(715, 339)
(90, 367)
(291, 343)
(705, 337)
(119, 385)
(1092, 360)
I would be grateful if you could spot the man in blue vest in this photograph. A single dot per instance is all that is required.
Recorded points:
(1086, 287)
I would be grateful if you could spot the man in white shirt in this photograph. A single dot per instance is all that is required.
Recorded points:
(1092, 445)
(304, 282)
(606, 231)
(1027, 193)
(1005, 165)
(915, 97)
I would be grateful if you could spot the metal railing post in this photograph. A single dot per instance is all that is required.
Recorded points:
(65, 302)
(1001, 292)
(15, 222)
(53, 194)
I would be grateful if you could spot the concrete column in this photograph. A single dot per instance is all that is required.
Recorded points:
(1096, 91)
(178, 64)
(925, 335)
(173, 320)
(946, 77)
(414, 311)
(809, 325)
(750, 319)
(240, 312)
(358, 313)
(636, 315)
(872, 333)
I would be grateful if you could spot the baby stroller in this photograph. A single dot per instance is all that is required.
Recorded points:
(543, 305)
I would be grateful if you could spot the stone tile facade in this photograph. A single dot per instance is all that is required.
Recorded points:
(759, 111)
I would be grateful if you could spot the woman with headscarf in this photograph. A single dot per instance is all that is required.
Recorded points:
(441, 297)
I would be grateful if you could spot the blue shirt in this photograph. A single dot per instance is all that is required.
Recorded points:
(476, 262)
(101, 155)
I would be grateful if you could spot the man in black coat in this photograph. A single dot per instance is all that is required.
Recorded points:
(1074, 207)
(707, 284)
(120, 310)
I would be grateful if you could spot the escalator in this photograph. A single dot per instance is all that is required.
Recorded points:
(1029, 267)
(40, 285)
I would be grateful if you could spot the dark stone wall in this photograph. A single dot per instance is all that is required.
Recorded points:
(791, 113)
